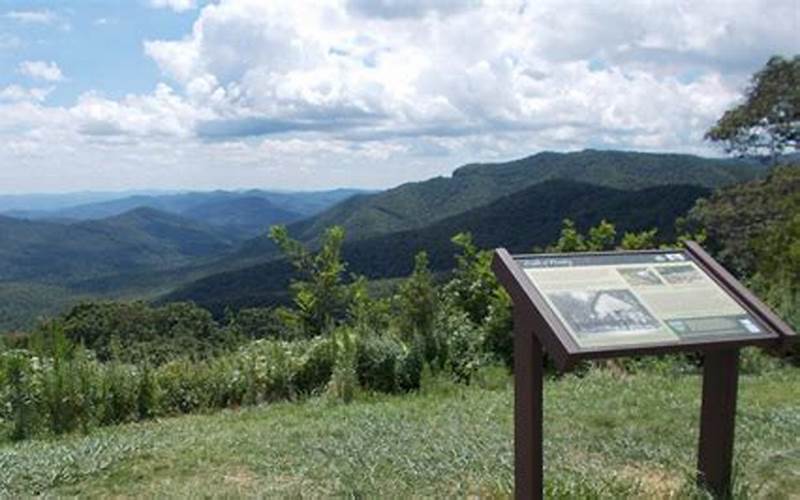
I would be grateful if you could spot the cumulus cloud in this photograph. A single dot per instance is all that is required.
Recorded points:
(288, 89)
(409, 8)
(41, 70)
(176, 5)
(387, 68)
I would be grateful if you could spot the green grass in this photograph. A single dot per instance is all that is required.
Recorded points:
(606, 436)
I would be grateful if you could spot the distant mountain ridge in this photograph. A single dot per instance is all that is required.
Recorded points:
(519, 221)
(244, 214)
(418, 204)
(142, 239)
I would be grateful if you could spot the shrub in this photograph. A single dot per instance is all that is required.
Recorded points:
(386, 364)
(19, 393)
(260, 323)
(499, 329)
(315, 367)
(145, 333)
(147, 393)
(120, 393)
(377, 362)
(473, 282)
(465, 344)
(409, 369)
(344, 379)
(183, 386)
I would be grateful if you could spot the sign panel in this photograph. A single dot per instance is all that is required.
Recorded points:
(616, 300)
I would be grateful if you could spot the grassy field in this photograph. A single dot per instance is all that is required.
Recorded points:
(607, 436)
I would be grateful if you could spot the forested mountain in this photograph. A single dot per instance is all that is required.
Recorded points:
(143, 238)
(117, 248)
(244, 214)
(519, 221)
(248, 216)
(415, 205)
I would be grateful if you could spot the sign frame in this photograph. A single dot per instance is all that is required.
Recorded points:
(537, 329)
(561, 346)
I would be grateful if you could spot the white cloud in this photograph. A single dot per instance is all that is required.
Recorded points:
(41, 70)
(44, 16)
(371, 70)
(176, 5)
(309, 94)
(161, 114)
(19, 93)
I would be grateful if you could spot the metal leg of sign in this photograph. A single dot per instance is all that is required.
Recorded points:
(717, 421)
(528, 378)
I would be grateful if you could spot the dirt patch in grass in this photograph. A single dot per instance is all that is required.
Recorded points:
(241, 477)
(654, 482)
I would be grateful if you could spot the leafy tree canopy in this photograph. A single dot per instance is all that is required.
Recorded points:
(768, 121)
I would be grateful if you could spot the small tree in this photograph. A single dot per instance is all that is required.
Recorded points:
(417, 304)
(473, 281)
(601, 237)
(768, 121)
(643, 240)
(571, 240)
(417, 299)
(320, 296)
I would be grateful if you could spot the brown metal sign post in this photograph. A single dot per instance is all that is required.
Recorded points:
(528, 419)
(599, 305)
(717, 421)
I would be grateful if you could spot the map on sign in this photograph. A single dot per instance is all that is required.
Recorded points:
(614, 300)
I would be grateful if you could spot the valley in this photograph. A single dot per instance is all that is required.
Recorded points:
(212, 247)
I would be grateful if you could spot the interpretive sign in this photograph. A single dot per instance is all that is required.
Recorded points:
(600, 305)
(636, 299)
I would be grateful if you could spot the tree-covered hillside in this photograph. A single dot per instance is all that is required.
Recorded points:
(754, 229)
(141, 239)
(519, 221)
(416, 205)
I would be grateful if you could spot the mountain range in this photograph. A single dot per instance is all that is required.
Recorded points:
(212, 247)
(520, 222)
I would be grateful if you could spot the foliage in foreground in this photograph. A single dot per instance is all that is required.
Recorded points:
(75, 374)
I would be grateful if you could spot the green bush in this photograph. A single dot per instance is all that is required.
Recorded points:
(385, 364)
(20, 389)
(146, 333)
(377, 362)
(120, 393)
(409, 368)
(344, 379)
(499, 328)
(465, 343)
(316, 365)
(184, 386)
(260, 323)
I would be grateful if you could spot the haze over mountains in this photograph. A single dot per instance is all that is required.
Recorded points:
(211, 247)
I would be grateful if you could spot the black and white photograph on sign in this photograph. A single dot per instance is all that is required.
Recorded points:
(680, 275)
(640, 276)
(603, 311)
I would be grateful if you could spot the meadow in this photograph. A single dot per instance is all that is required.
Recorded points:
(607, 435)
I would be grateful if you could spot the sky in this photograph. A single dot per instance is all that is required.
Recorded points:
(316, 94)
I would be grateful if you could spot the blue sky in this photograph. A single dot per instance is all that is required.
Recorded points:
(96, 43)
(307, 94)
